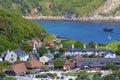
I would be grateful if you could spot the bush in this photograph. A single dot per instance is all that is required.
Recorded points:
(10, 78)
(2, 75)
(41, 75)
(52, 74)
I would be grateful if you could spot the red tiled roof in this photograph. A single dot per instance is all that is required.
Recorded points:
(50, 43)
(18, 68)
(33, 64)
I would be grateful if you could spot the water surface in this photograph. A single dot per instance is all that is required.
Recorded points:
(83, 31)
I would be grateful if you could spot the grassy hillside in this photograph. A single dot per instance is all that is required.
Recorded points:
(51, 7)
(15, 29)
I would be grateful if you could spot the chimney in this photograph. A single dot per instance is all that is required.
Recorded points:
(84, 46)
(96, 46)
(73, 46)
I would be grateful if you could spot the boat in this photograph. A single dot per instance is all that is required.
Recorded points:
(108, 29)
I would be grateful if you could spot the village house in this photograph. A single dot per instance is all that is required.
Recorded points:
(106, 53)
(9, 56)
(46, 57)
(21, 54)
(95, 63)
(17, 69)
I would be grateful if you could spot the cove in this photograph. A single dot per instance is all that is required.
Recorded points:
(83, 31)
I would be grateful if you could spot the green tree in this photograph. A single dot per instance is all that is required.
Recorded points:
(91, 44)
(79, 44)
(58, 63)
(42, 51)
(108, 77)
(118, 50)
(2, 75)
(62, 50)
(111, 65)
(92, 56)
(27, 47)
(68, 57)
(57, 55)
(116, 73)
(52, 50)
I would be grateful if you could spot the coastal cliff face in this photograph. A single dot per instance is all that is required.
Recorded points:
(109, 8)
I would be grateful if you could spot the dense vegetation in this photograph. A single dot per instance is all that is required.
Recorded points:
(14, 30)
(51, 7)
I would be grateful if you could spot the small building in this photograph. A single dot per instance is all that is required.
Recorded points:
(50, 43)
(44, 59)
(9, 56)
(95, 63)
(89, 51)
(17, 69)
(22, 54)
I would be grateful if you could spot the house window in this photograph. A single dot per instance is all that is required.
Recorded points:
(11, 55)
(11, 59)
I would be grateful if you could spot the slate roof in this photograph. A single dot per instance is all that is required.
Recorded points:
(87, 50)
(20, 52)
(49, 55)
(96, 61)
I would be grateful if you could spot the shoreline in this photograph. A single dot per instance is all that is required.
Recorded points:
(117, 18)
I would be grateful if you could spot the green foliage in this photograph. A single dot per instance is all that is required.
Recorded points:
(14, 30)
(91, 44)
(57, 55)
(26, 47)
(108, 77)
(42, 51)
(29, 72)
(52, 74)
(79, 44)
(110, 65)
(2, 75)
(68, 57)
(41, 75)
(44, 67)
(116, 73)
(62, 50)
(10, 78)
(4, 64)
(51, 7)
(52, 50)
(59, 62)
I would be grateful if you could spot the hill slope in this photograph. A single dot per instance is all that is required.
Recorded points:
(51, 7)
(109, 8)
(14, 29)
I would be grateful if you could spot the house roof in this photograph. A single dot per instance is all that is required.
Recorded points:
(96, 61)
(18, 68)
(78, 56)
(20, 52)
(49, 55)
(50, 43)
(33, 64)
(88, 50)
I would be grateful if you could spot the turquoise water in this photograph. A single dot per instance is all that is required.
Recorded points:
(83, 31)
